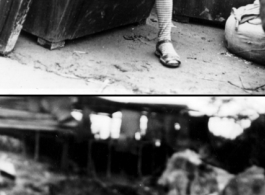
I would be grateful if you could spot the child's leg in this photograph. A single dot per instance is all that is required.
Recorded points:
(164, 13)
(262, 12)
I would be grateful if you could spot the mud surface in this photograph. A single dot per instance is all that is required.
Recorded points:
(123, 61)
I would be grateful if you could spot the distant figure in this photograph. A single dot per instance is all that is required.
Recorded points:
(164, 47)
(250, 182)
(186, 174)
(262, 13)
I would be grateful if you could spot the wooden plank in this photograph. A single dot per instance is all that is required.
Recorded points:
(91, 171)
(64, 157)
(109, 158)
(12, 17)
(140, 159)
(19, 114)
(37, 146)
(14, 102)
(51, 45)
(24, 149)
(42, 125)
(59, 20)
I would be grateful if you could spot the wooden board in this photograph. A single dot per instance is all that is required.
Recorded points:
(55, 21)
(31, 125)
(23, 115)
(12, 17)
(211, 10)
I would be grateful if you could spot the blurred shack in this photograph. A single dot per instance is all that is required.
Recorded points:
(88, 130)
(96, 136)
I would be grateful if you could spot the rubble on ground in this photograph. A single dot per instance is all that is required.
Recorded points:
(250, 182)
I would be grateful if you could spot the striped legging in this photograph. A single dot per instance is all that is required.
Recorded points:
(262, 12)
(164, 13)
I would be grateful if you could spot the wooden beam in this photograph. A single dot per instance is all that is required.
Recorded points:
(42, 125)
(109, 158)
(24, 149)
(140, 158)
(64, 158)
(91, 171)
(37, 145)
(25, 115)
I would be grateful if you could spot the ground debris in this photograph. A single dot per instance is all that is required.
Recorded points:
(226, 54)
(84, 186)
(186, 172)
(140, 38)
(192, 58)
(248, 89)
(32, 178)
(39, 188)
(56, 69)
(154, 19)
(120, 68)
(250, 182)
(132, 37)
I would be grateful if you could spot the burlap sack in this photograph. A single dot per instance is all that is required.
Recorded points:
(244, 34)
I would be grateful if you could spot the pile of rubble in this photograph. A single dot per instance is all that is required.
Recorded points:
(24, 176)
(186, 174)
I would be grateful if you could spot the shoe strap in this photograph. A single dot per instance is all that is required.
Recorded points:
(162, 42)
(169, 57)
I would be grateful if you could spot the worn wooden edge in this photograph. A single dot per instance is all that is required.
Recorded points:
(13, 27)
(24, 115)
(195, 20)
(40, 125)
(50, 45)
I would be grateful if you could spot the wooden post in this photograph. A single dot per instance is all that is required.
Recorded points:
(153, 158)
(109, 158)
(139, 164)
(90, 164)
(24, 149)
(86, 134)
(50, 45)
(64, 159)
(37, 145)
(89, 156)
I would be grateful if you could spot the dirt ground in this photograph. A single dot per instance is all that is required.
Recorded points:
(108, 63)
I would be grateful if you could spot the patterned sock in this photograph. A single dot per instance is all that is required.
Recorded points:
(262, 12)
(164, 13)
